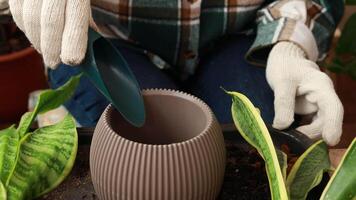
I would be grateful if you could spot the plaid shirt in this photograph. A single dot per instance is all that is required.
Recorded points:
(175, 32)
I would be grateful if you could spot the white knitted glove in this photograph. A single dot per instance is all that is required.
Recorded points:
(300, 87)
(57, 28)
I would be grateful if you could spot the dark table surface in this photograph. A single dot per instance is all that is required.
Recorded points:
(78, 185)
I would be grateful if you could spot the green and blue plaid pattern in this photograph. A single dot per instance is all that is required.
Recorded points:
(175, 32)
(272, 27)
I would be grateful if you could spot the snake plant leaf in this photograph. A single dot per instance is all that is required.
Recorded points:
(45, 158)
(48, 100)
(25, 122)
(254, 131)
(9, 143)
(282, 157)
(2, 192)
(342, 185)
(308, 171)
(283, 164)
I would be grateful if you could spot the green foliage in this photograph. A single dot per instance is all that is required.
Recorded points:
(350, 2)
(282, 160)
(254, 131)
(48, 100)
(45, 158)
(345, 58)
(2, 192)
(342, 184)
(307, 171)
(9, 142)
(33, 163)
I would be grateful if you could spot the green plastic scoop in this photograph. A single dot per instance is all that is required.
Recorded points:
(110, 73)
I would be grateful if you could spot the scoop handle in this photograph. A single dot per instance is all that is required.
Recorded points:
(89, 66)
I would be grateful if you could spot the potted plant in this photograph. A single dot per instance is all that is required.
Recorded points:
(245, 174)
(21, 71)
(178, 154)
(34, 162)
(308, 170)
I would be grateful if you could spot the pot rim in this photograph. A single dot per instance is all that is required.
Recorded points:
(211, 121)
(16, 55)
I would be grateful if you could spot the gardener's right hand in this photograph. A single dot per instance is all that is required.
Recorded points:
(57, 28)
(300, 87)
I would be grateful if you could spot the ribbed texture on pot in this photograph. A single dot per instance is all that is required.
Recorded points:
(127, 170)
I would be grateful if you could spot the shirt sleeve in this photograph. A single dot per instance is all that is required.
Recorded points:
(309, 24)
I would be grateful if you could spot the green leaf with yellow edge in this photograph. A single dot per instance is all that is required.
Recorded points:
(9, 144)
(254, 131)
(308, 171)
(342, 185)
(48, 100)
(45, 158)
(282, 157)
(32, 164)
(2, 192)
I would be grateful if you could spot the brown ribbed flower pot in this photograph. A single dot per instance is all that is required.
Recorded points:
(178, 155)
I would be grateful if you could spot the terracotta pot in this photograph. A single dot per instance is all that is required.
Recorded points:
(178, 154)
(20, 73)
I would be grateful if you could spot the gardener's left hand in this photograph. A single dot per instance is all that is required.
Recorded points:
(300, 87)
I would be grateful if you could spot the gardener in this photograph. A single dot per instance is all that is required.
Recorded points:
(176, 38)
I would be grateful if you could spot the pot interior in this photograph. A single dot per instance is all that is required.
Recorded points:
(170, 118)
